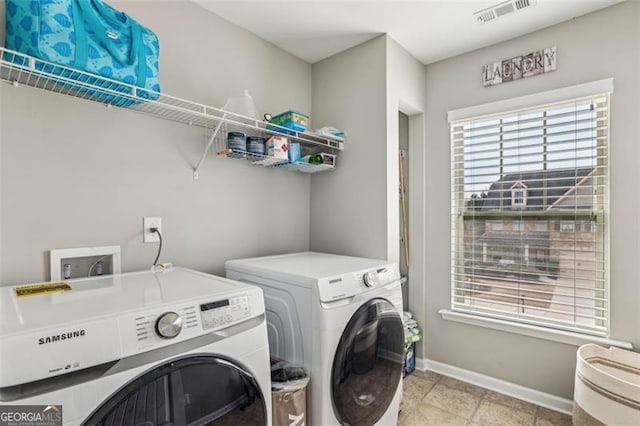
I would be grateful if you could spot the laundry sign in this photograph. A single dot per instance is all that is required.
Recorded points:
(534, 63)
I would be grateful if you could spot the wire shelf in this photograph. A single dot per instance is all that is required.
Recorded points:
(268, 161)
(253, 158)
(22, 70)
(306, 167)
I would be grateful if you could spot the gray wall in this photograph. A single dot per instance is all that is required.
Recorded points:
(596, 46)
(349, 205)
(354, 210)
(407, 94)
(74, 174)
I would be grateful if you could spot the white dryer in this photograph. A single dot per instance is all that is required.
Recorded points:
(175, 347)
(340, 317)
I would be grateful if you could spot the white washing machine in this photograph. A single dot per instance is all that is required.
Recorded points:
(148, 348)
(340, 317)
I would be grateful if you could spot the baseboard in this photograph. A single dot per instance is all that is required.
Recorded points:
(517, 391)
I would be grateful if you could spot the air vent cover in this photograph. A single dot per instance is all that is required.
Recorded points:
(501, 9)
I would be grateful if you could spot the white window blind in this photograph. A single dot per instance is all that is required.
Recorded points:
(529, 215)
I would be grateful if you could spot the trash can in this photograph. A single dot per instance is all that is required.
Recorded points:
(288, 394)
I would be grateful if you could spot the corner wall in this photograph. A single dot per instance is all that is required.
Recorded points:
(74, 174)
(354, 210)
(592, 47)
(407, 93)
(349, 205)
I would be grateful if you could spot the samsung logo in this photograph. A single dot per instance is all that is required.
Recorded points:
(337, 280)
(60, 337)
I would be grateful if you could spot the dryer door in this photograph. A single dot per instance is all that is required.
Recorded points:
(197, 390)
(367, 367)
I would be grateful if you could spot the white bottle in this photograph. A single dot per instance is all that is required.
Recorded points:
(242, 104)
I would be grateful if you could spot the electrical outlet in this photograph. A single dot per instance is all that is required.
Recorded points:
(147, 224)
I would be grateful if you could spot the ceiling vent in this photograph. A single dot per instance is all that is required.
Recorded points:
(494, 12)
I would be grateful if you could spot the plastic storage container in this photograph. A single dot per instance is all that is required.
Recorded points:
(255, 148)
(237, 143)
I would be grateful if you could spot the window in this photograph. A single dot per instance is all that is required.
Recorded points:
(542, 170)
(518, 195)
(541, 226)
(496, 225)
(567, 227)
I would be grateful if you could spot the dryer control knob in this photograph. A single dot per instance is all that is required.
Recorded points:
(169, 325)
(370, 279)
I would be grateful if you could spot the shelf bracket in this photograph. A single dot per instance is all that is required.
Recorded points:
(206, 150)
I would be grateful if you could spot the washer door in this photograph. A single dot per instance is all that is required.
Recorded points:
(198, 390)
(368, 364)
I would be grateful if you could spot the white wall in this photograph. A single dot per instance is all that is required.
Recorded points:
(349, 205)
(75, 174)
(596, 46)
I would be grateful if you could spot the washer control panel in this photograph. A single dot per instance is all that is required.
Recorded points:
(348, 285)
(380, 277)
(168, 322)
(155, 328)
(222, 312)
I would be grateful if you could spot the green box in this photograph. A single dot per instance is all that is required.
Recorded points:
(294, 120)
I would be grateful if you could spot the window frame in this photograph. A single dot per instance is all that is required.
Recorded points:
(542, 222)
(567, 226)
(496, 225)
(501, 109)
(519, 187)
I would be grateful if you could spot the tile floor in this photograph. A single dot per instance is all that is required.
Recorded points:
(432, 399)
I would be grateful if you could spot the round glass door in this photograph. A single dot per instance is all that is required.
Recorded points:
(368, 364)
(199, 390)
